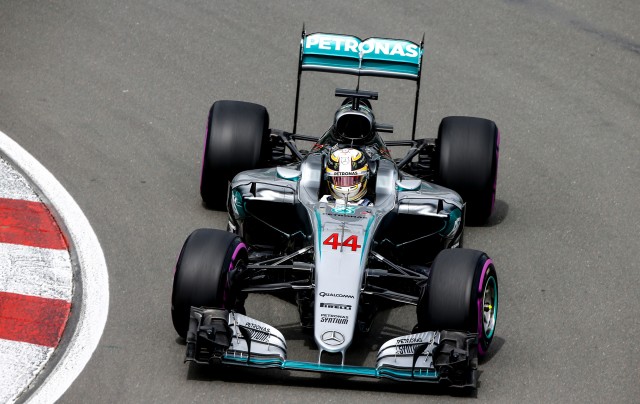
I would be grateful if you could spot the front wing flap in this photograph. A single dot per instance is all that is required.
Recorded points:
(221, 336)
(448, 356)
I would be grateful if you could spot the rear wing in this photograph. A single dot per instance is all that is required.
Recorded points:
(372, 57)
(379, 57)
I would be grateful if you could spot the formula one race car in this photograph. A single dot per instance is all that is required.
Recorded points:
(343, 231)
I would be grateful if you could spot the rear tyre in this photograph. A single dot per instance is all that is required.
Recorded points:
(201, 276)
(468, 150)
(461, 295)
(237, 140)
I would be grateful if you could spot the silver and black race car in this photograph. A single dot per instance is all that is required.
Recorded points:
(340, 260)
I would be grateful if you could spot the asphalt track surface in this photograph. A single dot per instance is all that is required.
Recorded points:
(112, 98)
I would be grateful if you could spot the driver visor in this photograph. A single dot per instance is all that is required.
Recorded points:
(346, 180)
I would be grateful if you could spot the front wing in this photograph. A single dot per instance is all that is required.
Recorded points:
(224, 337)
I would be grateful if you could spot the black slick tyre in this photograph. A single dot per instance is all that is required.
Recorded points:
(461, 295)
(201, 276)
(237, 139)
(468, 151)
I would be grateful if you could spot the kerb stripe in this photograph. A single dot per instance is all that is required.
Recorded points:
(32, 319)
(29, 223)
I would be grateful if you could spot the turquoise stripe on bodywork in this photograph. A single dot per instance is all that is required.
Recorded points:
(319, 224)
(453, 216)
(337, 369)
(331, 61)
(366, 237)
(237, 204)
(359, 370)
(321, 367)
(257, 362)
(390, 67)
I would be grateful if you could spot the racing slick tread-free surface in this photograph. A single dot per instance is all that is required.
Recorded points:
(237, 140)
(450, 300)
(468, 162)
(201, 273)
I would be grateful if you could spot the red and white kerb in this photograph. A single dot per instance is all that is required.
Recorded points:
(35, 283)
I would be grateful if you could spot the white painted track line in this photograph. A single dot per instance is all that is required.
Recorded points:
(87, 255)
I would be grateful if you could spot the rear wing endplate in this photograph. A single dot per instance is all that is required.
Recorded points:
(378, 57)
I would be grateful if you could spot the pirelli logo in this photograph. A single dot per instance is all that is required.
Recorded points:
(336, 306)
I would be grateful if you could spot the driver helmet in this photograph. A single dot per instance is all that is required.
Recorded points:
(347, 173)
(354, 124)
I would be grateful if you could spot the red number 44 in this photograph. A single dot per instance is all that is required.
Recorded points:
(334, 242)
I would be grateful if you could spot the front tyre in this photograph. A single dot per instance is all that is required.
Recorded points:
(202, 274)
(461, 295)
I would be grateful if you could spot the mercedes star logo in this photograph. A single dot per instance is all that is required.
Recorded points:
(333, 338)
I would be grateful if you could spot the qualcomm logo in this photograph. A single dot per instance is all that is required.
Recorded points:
(333, 338)
(323, 294)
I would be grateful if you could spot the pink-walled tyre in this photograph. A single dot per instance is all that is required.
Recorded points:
(461, 295)
(204, 272)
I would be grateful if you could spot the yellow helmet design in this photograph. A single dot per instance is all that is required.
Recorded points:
(347, 173)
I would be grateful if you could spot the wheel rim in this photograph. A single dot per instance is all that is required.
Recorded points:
(236, 262)
(489, 307)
